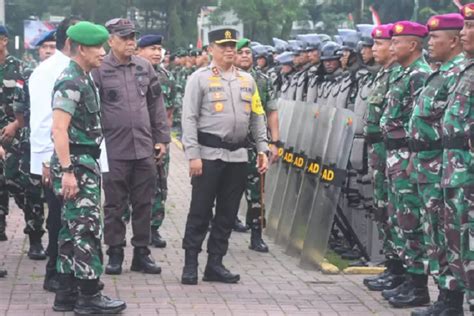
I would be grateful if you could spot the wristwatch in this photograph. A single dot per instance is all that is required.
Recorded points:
(68, 169)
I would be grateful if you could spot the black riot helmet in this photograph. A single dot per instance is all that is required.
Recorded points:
(350, 39)
(330, 51)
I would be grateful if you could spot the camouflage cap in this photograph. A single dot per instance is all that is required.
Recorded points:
(88, 34)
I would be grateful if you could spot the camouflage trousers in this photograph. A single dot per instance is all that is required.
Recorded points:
(80, 236)
(377, 157)
(407, 204)
(459, 228)
(434, 231)
(25, 188)
(4, 195)
(252, 191)
(161, 193)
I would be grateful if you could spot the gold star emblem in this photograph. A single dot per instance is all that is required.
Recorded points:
(228, 35)
(434, 23)
(468, 12)
(399, 28)
(378, 33)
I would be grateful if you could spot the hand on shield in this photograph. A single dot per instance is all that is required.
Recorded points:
(262, 163)
(273, 154)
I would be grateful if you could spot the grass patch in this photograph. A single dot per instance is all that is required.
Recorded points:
(336, 260)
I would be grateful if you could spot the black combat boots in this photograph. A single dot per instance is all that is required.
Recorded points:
(216, 272)
(256, 241)
(190, 272)
(66, 294)
(36, 251)
(143, 262)
(156, 239)
(3, 226)
(239, 226)
(91, 301)
(51, 281)
(392, 281)
(380, 276)
(449, 303)
(415, 294)
(114, 266)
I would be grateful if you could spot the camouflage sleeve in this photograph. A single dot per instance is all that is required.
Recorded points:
(21, 97)
(417, 83)
(66, 96)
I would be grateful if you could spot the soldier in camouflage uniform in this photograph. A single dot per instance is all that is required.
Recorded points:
(458, 169)
(180, 76)
(377, 158)
(11, 142)
(425, 133)
(254, 220)
(30, 184)
(77, 135)
(149, 47)
(407, 45)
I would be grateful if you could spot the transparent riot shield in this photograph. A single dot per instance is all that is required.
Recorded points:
(332, 177)
(285, 112)
(301, 87)
(291, 92)
(318, 142)
(312, 90)
(286, 162)
(295, 176)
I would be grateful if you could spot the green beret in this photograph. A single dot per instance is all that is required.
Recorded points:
(88, 34)
(243, 42)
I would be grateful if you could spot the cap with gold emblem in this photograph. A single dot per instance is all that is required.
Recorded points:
(408, 28)
(467, 11)
(383, 31)
(222, 36)
(445, 22)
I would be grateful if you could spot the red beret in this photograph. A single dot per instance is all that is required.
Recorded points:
(383, 31)
(450, 21)
(408, 28)
(467, 11)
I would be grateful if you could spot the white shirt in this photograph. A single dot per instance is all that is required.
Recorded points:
(41, 85)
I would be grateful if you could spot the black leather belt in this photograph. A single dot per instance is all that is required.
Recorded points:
(417, 146)
(374, 138)
(213, 141)
(456, 142)
(94, 151)
(392, 144)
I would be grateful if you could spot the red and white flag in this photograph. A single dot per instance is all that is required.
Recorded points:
(457, 3)
(375, 16)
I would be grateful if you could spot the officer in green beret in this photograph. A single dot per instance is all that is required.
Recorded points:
(76, 177)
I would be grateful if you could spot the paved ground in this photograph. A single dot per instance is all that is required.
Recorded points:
(271, 284)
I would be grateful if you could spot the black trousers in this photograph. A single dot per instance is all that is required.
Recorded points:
(134, 181)
(53, 225)
(224, 183)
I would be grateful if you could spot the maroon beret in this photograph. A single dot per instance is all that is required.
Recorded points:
(408, 28)
(383, 31)
(450, 21)
(467, 11)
